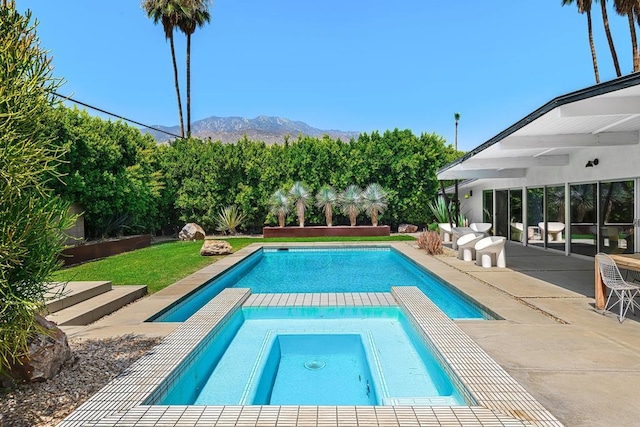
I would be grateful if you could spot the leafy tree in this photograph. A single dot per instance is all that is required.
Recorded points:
(169, 13)
(32, 218)
(110, 170)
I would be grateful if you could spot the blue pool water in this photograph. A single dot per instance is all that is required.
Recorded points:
(313, 356)
(304, 270)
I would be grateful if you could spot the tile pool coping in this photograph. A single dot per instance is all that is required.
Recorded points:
(501, 400)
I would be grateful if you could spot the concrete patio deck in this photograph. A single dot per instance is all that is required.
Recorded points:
(580, 365)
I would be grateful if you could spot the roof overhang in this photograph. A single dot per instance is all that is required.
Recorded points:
(607, 114)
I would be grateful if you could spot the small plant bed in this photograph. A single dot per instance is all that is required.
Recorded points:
(162, 264)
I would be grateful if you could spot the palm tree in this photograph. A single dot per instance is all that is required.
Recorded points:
(374, 201)
(350, 201)
(629, 8)
(584, 6)
(300, 197)
(197, 14)
(456, 117)
(607, 30)
(169, 13)
(325, 200)
(279, 205)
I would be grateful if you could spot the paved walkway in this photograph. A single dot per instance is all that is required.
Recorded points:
(584, 367)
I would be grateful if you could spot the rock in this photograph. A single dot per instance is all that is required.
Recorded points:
(407, 228)
(47, 354)
(215, 247)
(191, 231)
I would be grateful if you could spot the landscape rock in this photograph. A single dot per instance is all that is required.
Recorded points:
(48, 352)
(190, 232)
(215, 247)
(407, 228)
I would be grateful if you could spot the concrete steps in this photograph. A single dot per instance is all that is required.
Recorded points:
(82, 303)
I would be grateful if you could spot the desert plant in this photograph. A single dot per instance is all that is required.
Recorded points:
(326, 199)
(374, 201)
(430, 242)
(300, 197)
(229, 219)
(280, 206)
(440, 210)
(350, 202)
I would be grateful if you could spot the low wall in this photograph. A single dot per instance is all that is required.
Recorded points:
(90, 251)
(321, 231)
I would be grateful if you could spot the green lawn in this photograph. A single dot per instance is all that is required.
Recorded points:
(162, 264)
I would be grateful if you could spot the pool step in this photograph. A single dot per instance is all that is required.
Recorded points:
(63, 295)
(94, 308)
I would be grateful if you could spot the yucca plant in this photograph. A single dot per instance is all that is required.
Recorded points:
(300, 197)
(374, 201)
(326, 199)
(229, 219)
(351, 202)
(280, 206)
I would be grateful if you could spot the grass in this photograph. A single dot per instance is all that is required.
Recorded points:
(162, 264)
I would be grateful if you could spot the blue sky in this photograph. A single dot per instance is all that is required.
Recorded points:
(335, 64)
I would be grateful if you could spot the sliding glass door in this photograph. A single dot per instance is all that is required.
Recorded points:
(616, 217)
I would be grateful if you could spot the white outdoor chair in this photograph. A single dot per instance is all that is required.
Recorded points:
(445, 232)
(490, 251)
(481, 227)
(623, 290)
(466, 246)
(458, 232)
(554, 230)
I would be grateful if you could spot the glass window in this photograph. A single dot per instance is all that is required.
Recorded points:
(515, 216)
(502, 213)
(535, 215)
(616, 217)
(555, 219)
(584, 230)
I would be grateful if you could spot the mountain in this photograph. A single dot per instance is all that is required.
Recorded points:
(271, 130)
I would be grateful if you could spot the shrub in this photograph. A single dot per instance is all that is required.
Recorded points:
(229, 219)
(430, 242)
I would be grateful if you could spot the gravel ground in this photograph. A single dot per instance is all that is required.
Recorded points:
(95, 363)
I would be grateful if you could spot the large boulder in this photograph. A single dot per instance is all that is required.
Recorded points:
(215, 247)
(407, 228)
(48, 352)
(190, 232)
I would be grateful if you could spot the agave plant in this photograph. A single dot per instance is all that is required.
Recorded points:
(374, 201)
(300, 197)
(350, 201)
(229, 219)
(280, 206)
(326, 199)
(440, 210)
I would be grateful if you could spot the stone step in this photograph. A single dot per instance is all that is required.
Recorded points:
(64, 295)
(93, 309)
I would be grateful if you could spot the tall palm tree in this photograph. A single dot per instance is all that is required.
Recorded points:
(629, 8)
(169, 13)
(326, 199)
(300, 197)
(374, 201)
(196, 15)
(584, 6)
(607, 30)
(456, 117)
(350, 201)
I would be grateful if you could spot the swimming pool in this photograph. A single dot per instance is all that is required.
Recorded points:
(318, 269)
(313, 356)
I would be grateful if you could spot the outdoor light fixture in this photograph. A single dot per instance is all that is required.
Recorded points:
(592, 163)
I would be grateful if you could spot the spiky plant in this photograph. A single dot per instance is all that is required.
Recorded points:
(351, 202)
(300, 197)
(229, 219)
(440, 210)
(326, 199)
(280, 206)
(430, 242)
(374, 201)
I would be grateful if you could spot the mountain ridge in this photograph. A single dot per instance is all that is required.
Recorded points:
(270, 129)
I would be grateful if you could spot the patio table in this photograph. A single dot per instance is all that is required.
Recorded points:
(628, 262)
